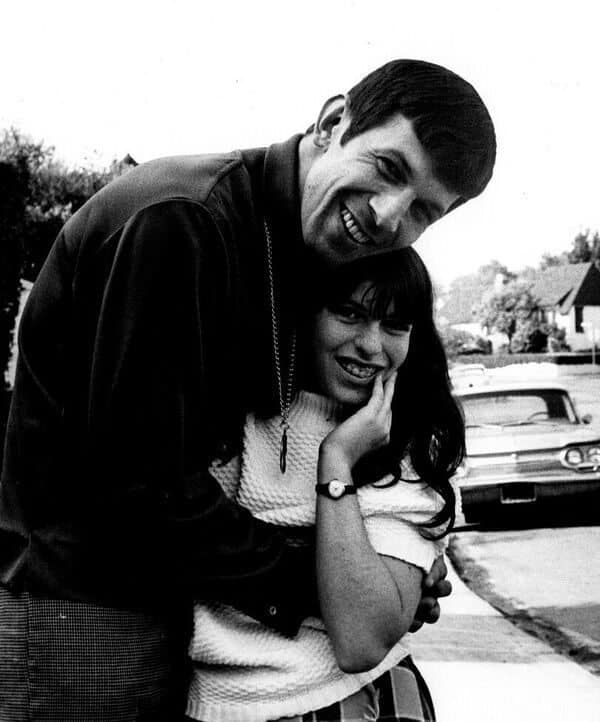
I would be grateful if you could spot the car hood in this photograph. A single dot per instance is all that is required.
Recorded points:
(512, 439)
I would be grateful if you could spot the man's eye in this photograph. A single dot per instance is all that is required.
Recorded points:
(390, 169)
(421, 214)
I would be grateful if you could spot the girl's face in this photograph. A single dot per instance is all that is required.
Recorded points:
(351, 346)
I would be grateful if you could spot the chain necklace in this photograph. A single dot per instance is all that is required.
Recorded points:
(284, 390)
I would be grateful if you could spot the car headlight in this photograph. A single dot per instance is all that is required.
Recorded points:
(593, 454)
(574, 457)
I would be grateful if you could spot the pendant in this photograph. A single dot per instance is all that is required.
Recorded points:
(283, 450)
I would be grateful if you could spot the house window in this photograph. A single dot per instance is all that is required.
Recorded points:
(578, 319)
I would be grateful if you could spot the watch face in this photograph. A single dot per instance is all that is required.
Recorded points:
(336, 488)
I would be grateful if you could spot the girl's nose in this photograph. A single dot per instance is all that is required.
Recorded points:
(369, 339)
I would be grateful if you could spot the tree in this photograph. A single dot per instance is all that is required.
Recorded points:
(595, 247)
(585, 247)
(37, 195)
(581, 251)
(512, 310)
(466, 292)
(549, 260)
(52, 194)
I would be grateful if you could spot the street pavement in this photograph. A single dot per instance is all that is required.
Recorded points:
(550, 573)
(482, 668)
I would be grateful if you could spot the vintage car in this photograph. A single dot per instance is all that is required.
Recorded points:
(527, 449)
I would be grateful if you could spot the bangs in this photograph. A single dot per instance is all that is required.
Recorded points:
(401, 297)
(398, 283)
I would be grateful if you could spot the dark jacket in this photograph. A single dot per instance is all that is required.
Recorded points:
(144, 341)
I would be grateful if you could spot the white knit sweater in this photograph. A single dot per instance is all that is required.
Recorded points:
(246, 672)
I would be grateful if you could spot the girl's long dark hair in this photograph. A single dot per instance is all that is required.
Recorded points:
(426, 421)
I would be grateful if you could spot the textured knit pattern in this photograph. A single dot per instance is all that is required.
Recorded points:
(399, 695)
(244, 671)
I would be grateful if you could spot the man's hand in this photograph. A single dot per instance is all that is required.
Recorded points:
(435, 585)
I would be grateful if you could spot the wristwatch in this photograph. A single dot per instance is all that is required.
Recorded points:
(335, 489)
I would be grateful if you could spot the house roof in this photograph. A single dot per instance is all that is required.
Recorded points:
(568, 285)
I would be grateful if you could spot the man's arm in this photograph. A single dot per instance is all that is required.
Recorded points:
(132, 325)
(434, 587)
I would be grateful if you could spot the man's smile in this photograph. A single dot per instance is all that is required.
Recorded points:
(357, 235)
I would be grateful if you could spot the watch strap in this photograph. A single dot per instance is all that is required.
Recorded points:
(335, 489)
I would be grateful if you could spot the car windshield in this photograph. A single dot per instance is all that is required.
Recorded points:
(516, 407)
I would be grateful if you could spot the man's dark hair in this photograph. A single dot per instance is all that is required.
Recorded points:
(449, 119)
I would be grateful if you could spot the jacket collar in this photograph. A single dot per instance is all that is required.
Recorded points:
(282, 213)
(277, 200)
(282, 197)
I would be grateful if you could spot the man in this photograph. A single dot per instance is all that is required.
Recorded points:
(148, 335)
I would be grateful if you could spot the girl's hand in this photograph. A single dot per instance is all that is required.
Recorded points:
(366, 430)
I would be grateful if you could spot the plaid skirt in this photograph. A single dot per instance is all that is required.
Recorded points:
(63, 661)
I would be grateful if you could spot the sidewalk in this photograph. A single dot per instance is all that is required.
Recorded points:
(481, 668)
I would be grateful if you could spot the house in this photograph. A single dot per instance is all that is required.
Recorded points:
(570, 297)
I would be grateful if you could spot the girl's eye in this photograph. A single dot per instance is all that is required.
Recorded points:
(397, 325)
(346, 312)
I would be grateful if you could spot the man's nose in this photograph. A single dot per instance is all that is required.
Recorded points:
(368, 340)
(390, 211)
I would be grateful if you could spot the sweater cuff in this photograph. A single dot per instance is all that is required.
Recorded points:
(401, 540)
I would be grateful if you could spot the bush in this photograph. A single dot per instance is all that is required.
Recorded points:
(557, 339)
(529, 338)
(458, 343)
(37, 196)
(13, 184)
(454, 340)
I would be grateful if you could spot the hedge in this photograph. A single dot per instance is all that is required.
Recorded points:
(508, 359)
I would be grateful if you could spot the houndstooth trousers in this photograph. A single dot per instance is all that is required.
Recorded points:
(63, 661)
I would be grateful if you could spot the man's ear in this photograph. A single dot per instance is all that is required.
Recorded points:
(329, 117)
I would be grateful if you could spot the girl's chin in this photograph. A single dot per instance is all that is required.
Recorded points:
(354, 399)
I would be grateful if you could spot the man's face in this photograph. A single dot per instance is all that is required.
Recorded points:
(375, 193)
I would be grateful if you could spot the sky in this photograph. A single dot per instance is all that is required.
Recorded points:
(99, 80)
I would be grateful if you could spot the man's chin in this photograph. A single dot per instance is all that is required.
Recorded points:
(334, 253)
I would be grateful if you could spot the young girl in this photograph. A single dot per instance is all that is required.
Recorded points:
(376, 427)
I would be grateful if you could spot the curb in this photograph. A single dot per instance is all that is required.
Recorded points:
(577, 647)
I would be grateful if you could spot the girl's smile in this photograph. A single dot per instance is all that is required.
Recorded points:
(352, 345)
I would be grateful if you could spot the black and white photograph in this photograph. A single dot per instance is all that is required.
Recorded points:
(299, 361)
